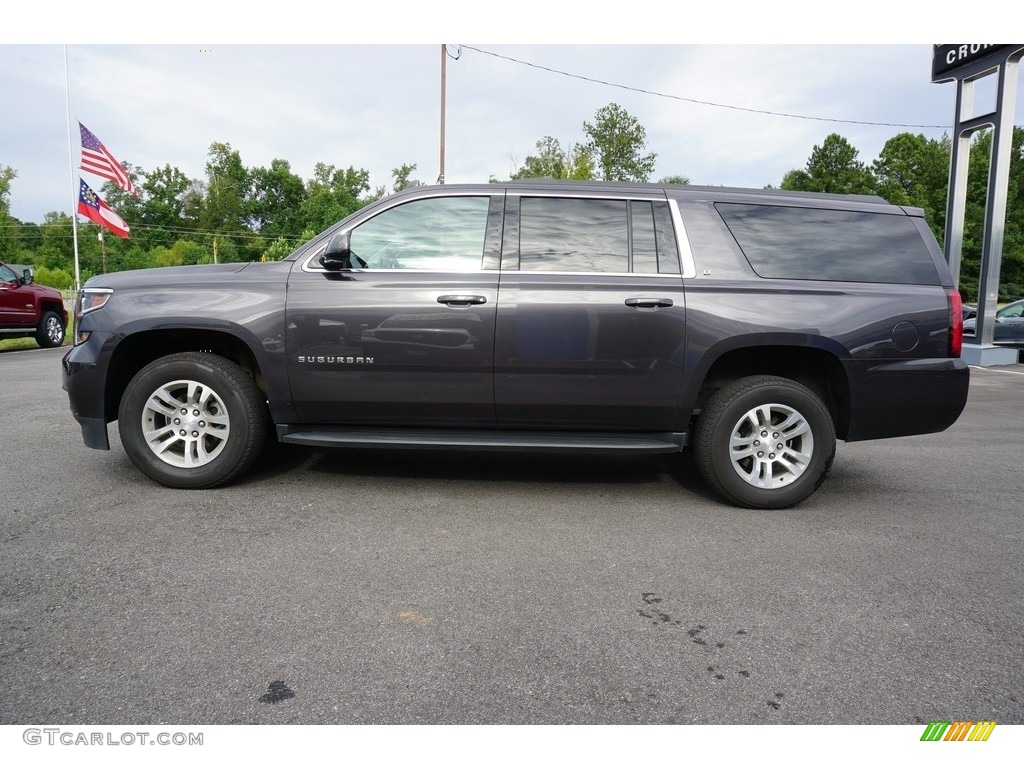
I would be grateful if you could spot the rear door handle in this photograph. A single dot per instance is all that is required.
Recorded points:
(461, 301)
(648, 303)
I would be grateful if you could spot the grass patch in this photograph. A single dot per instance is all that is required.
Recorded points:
(10, 345)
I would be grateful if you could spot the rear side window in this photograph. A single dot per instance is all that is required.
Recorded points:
(818, 244)
(594, 236)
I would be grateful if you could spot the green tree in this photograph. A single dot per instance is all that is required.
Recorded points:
(189, 252)
(9, 240)
(617, 140)
(675, 179)
(132, 210)
(156, 217)
(553, 162)
(321, 209)
(1011, 272)
(278, 249)
(223, 215)
(276, 198)
(29, 234)
(128, 206)
(832, 167)
(165, 191)
(332, 194)
(57, 250)
(57, 247)
(194, 203)
(401, 176)
(228, 182)
(7, 175)
(914, 170)
(135, 257)
(55, 278)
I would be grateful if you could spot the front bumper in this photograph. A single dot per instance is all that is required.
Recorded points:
(84, 378)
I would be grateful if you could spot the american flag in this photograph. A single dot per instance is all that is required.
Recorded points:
(98, 160)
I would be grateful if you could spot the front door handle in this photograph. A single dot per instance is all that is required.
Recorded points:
(648, 303)
(461, 301)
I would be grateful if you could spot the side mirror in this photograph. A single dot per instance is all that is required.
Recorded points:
(26, 277)
(337, 255)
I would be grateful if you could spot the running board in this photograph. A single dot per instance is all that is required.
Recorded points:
(638, 442)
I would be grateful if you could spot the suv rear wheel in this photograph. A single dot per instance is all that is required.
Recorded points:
(192, 420)
(765, 442)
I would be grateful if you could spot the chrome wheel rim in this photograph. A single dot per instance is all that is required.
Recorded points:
(54, 330)
(185, 424)
(771, 446)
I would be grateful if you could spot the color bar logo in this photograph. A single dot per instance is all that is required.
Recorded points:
(961, 730)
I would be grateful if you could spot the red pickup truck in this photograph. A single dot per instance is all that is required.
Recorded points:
(28, 309)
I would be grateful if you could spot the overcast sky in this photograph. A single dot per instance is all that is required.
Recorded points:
(706, 107)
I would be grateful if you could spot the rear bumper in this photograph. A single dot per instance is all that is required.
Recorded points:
(906, 397)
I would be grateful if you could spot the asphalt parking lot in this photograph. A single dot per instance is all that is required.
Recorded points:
(407, 587)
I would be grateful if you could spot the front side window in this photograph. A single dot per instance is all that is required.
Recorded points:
(438, 234)
(1012, 310)
(7, 275)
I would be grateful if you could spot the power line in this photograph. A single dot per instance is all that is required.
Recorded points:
(695, 101)
(171, 230)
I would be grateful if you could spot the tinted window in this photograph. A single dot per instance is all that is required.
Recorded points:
(7, 275)
(645, 250)
(585, 235)
(813, 244)
(441, 233)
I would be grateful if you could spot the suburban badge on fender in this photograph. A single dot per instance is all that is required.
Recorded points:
(334, 360)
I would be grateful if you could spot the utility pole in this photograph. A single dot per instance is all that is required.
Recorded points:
(75, 188)
(444, 56)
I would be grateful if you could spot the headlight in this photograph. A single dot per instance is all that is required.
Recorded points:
(89, 299)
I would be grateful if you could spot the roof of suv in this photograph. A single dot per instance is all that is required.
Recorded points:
(685, 188)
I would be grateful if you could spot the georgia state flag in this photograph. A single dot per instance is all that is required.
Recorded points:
(93, 208)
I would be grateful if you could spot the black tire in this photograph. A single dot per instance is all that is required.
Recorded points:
(737, 424)
(50, 332)
(193, 420)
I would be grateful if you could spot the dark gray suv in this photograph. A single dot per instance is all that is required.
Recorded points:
(754, 326)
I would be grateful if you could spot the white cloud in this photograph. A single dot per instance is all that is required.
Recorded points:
(378, 106)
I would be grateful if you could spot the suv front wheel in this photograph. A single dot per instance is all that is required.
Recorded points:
(765, 442)
(192, 420)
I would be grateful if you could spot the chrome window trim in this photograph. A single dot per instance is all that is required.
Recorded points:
(686, 264)
(651, 196)
(545, 273)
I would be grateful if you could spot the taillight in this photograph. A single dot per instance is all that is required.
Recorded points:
(956, 323)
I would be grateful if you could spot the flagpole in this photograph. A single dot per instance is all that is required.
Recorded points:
(71, 173)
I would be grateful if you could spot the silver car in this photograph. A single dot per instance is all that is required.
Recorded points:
(1009, 328)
